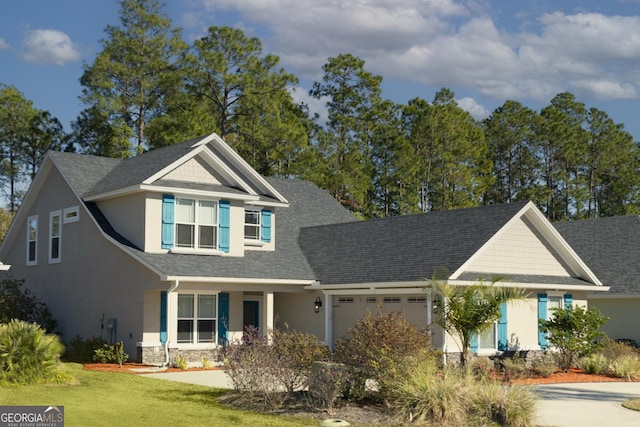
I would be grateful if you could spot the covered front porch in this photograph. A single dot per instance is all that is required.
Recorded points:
(194, 318)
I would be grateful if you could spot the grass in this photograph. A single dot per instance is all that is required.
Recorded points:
(108, 399)
(632, 404)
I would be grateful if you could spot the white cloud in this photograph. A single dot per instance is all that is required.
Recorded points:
(49, 47)
(452, 43)
(3, 44)
(316, 106)
(476, 110)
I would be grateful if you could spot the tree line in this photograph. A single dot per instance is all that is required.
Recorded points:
(148, 88)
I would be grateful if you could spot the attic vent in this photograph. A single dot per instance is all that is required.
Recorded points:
(417, 300)
(345, 300)
(391, 300)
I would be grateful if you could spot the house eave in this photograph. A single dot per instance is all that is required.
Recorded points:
(173, 190)
(237, 280)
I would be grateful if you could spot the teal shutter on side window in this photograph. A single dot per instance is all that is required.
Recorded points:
(568, 301)
(163, 317)
(225, 218)
(168, 207)
(473, 343)
(542, 314)
(503, 341)
(223, 318)
(265, 226)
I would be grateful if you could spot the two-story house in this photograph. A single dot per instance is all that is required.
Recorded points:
(177, 250)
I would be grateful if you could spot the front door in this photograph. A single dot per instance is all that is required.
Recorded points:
(251, 314)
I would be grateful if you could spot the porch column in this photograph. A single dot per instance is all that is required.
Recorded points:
(267, 313)
(328, 320)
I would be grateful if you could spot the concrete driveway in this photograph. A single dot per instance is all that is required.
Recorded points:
(587, 404)
(559, 405)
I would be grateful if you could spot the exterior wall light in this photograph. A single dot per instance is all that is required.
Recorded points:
(317, 304)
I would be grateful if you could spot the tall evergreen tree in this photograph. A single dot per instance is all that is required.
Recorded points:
(511, 137)
(130, 78)
(354, 96)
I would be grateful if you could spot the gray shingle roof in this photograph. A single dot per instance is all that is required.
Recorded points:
(309, 206)
(611, 249)
(404, 248)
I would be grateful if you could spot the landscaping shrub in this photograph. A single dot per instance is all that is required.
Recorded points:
(113, 353)
(575, 333)
(426, 394)
(28, 355)
(22, 304)
(377, 347)
(296, 352)
(255, 370)
(594, 364)
(612, 349)
(326, 383)
(481, 368)
(82, 350)
(625, 367)
(492, 402)
(180, 362)
(514, 367)
(544, 366)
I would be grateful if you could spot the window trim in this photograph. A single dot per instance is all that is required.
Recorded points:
(34, 261)
(258, 225)
(196, 227)
(195, 343)
(71, 214)
(57, 259)
(493, 333)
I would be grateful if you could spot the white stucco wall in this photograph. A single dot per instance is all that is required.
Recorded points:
(624, 316)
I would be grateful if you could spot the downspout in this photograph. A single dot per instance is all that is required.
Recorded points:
(171, 289)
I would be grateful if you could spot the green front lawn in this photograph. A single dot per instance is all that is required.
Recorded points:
(115, 399)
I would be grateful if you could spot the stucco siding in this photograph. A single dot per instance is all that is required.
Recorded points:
(127, 215)
(297, 311)
(624, 317)
(517, 250)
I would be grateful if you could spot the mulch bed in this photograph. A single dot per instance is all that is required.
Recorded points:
(573, 376)
(134, 368)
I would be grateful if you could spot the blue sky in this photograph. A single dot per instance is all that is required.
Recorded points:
(486, 51)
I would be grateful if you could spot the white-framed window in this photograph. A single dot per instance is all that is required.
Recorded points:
(197, 318)
(554, 302)
(345, 300)
(372, 300)
(55, 236)
(71, 214)
(391, 300)
(487, 338)
(252, 224)
(32, 240)
(417, 300)
(196, 223)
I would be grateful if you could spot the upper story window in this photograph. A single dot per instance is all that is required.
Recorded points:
(71, 214)
(252, 224)
(55, 236)
(32, 240)
(196, 224)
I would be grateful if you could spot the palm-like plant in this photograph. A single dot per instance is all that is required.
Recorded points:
(28, 354)
(469, 309)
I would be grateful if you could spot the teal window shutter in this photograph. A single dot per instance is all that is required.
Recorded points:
(473, 343)
(168, 207)
(225, 219)
(503, 341)
(163, 317)
(568, 301)
(223, 318)
(265, 226)
(542, 314)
